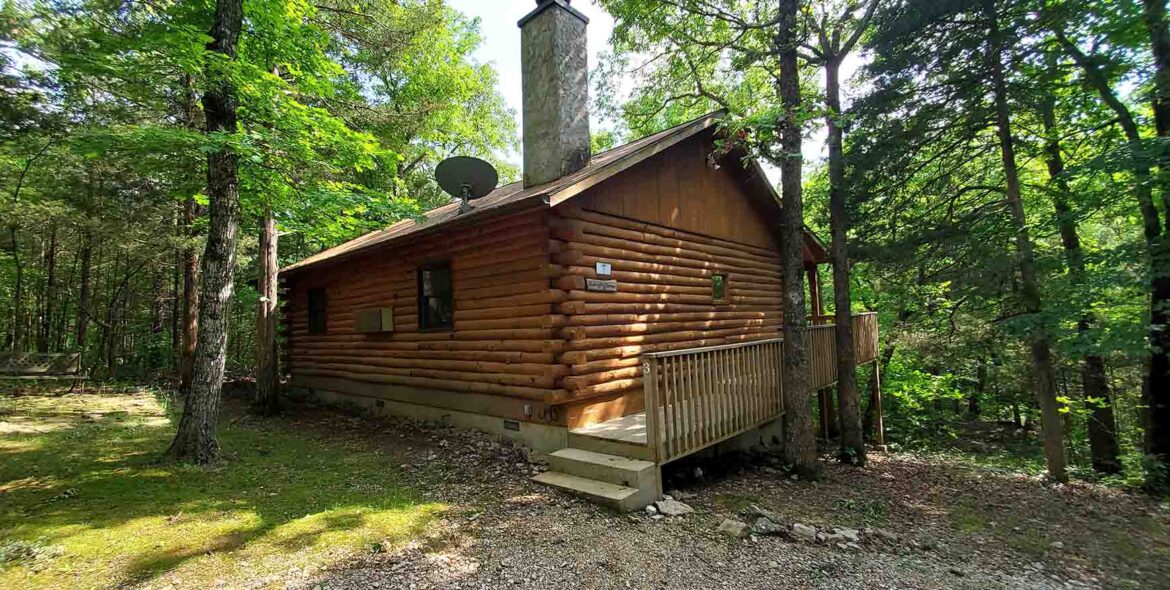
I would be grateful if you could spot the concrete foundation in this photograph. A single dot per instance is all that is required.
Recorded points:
(542, 438)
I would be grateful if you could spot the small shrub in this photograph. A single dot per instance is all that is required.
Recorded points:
(1155, 471)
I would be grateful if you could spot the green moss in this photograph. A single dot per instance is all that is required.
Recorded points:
(84, 473)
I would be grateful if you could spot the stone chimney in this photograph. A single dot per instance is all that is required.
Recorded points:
(555, 74)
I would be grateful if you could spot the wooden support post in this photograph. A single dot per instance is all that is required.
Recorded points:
(823, 406)
(814, 292)
(831, 416)
(875, 385)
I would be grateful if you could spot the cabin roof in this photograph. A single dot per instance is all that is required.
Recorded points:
(514, 196)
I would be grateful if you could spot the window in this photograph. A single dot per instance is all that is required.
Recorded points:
(436, 308)
(317, 305)
(719, 288)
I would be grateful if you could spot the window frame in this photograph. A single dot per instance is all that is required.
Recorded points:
(423, 299)
(719, 300)
(312, 295)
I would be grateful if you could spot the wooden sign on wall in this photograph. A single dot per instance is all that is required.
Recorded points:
(601, 286)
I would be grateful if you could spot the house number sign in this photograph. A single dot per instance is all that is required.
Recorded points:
(604, 269)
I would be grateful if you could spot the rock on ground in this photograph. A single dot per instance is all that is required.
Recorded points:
(673, 508)
(733, 528)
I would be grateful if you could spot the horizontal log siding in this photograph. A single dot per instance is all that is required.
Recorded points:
(506, 338)
(663, 300)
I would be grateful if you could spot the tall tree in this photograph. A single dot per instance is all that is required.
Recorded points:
(800, 449)
(1158, 379)
(1040, 341)
(195, 440)
(267, 394)
(1102, 426)
(836, 37)
(1157, 386)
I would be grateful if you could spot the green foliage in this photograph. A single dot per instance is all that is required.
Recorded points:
(934, 246)
(912, 399)
(344, 109)
(690, 58)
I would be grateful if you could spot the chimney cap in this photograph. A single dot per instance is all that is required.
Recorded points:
(541, 5)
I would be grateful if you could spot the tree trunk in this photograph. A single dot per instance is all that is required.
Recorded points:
(1154, 12)
(62, 330)
(176, 284)
(195, 440)
(18, 293)
(156, 304)
(1102, 425)
(1043, 374)
(110, 327)
(973, 402)
(190, 315)
(267, 393)
(800, 446)
(83, 303)
(1156, 382)
(852, 438)
(45, 330)
(1157, 397)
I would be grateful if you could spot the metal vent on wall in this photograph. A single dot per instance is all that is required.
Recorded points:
(373, 321)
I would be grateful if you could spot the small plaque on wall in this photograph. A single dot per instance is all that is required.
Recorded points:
(603, 269)
(601, 286)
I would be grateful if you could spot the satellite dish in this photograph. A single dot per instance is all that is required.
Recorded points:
(466, 178)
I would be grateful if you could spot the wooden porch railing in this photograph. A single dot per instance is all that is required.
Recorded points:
(701, 396)
(822, 347)
(698, 397)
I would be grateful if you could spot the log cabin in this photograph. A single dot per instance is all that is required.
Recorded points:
(602, 302)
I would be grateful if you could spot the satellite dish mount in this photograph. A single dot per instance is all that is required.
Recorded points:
(466, 179)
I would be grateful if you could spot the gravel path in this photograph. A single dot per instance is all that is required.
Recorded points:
(956, 528)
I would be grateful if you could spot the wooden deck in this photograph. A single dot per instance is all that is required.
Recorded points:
(707, 395)
(627, 429)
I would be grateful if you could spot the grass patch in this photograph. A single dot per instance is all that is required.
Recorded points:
(735, 502)
(871, 511)
(82, 475)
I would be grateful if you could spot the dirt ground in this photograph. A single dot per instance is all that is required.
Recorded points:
(954, 524)
(957, 526)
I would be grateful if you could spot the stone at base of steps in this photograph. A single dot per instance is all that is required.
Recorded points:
(618, 497)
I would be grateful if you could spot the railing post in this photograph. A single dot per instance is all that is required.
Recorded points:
(875, 384)
(650, 395)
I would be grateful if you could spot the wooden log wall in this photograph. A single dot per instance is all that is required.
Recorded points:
(506, 336)
(664, 298)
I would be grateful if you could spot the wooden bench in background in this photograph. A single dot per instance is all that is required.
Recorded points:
(41, 366)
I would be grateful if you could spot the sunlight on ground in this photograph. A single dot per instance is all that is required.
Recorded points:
(81, 475)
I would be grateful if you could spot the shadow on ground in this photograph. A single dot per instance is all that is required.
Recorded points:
(85, 474)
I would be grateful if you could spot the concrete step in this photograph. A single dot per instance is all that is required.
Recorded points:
(615, 469)
(620, 498)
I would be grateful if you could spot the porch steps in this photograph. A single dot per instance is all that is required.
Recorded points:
(621, 483)
(614, 469)
(609, 446)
